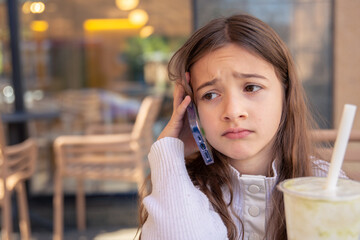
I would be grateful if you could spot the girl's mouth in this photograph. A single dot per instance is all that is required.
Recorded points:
(236, 133)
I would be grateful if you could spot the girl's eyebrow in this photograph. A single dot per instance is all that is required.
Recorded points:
(236, 75)
(209, 83)
(248, 75)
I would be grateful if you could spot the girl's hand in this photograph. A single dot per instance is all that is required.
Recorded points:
(178, 126)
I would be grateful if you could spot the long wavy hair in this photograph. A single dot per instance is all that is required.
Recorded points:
(292, 146)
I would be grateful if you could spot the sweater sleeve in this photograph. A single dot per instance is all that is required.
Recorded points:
(177, 209)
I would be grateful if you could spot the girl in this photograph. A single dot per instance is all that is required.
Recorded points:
(251, 106)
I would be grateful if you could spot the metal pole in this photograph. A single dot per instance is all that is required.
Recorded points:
(17, 131)
(195, 24)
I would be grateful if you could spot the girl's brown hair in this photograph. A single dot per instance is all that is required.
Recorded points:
(292, 146)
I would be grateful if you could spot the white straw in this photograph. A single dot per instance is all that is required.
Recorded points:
(341, 142)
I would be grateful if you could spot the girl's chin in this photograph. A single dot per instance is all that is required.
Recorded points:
(237, 156)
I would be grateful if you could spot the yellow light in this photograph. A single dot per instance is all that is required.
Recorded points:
(109, 24)
(37, 7)
(26, 7)
(138, 17)
(127, 5)
(39, 26)
(146, 31)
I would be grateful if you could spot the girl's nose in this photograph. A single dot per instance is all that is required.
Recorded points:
(234, 109)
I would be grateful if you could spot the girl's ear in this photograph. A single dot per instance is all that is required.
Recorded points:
(188, 88)
(187, 77)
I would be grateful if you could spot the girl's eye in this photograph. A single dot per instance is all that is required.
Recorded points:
(209, 96)
(252, 88)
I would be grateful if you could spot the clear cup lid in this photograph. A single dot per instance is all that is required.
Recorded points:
(314, 188)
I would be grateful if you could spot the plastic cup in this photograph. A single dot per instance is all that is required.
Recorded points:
(312, 212)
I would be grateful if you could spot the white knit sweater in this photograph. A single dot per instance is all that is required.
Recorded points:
(179, 211)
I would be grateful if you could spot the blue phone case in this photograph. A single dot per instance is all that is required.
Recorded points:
(198, 134)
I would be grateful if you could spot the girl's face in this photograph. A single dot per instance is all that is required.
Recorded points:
(239, 100)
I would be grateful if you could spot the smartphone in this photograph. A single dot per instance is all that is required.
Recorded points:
(199, 134)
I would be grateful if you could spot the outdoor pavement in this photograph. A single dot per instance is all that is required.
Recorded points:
(109, 217)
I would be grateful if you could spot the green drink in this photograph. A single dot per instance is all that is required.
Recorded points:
(313, 213)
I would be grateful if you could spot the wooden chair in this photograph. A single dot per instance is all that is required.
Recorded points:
(17, 164)
(105, 156)
(351, 163)
(79, 108)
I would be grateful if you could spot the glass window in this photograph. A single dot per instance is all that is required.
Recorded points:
(6, 91)
(81, 44)
(73, 50)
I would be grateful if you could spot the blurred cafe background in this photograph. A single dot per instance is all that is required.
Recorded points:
(66, 65)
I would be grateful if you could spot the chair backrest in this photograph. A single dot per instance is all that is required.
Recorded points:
(17, 162)
(70, 149)
(79, 108)
(331, 134)
(352, 156)
(21, 160)
(146, 117)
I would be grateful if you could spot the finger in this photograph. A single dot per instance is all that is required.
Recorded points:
(182, 107)
(178, 116)
(179, 93)
(173, 128)
(180, 110)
